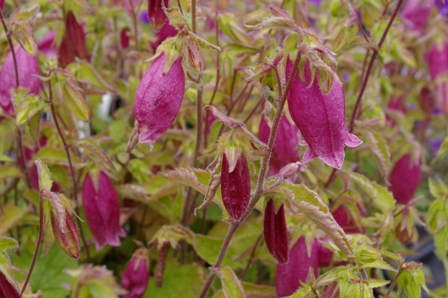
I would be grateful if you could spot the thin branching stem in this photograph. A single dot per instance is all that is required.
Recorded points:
(260, 182)
(394, 282)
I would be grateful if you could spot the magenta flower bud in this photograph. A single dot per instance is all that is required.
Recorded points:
(67, 237)
(136, 275)
(235, 186)
(320, 118)
(289, 275)
(415, 13)
(74, 42)
(405, 178)
(102, 210)
(7, 290)
(156, 14)
(275, 232)
(27, 67)
(158, 99)
(285, 146)
(124, 38)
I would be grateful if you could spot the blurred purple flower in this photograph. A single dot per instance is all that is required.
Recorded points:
(434, 144)
(442, 5)
(315, 2)
(144, 17)
(415, 13)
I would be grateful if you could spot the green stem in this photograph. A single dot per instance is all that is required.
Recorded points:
(394, 282)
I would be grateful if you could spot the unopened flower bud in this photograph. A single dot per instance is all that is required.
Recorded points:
(158, 99)
(320, 118)
(275, 232)
(102, 210)
(235, 186)
(66, 233)
(156, 14)
(74, 41)
(135, 277)
(405, 178)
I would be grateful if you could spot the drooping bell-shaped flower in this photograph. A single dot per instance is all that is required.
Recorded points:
(289, 275)
(136, 275)
(156, 14)
(7, 290)
(415, 13)
(102, 210)
(320, 118)
(235, 186)
(158, 99)
(28, 69)
(124, 38)
(275, 232)
(74, 41)
(405, 178)
(66, 233)
(285, 146)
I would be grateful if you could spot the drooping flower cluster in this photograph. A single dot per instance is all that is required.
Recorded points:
(320, 118)
(102, 210)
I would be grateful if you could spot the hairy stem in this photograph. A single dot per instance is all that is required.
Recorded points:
(20, 152)
(36, 250)
(394, 282)
(72, 170)
(260, 182)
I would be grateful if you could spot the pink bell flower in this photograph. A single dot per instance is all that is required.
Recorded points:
(156, 14)
(275, 232)
(7, 290)
(320, 118)
(135, 277)
(158, 99)
(102, 210)
(415, 13)
(28, 69)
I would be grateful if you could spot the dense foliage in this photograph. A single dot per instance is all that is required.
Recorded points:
(223, 148)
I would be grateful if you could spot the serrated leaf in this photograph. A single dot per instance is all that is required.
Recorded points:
(231, 285)
(172, 234)
(10, 216)
(74, 100)
(9, 171)
(96, 151)
(7, 243)
(380, 149)
(195, 178)
(381, 196)
(45, 181)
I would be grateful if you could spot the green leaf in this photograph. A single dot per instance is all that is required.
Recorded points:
(84, 71)
(9, 171)
(380, 150)
(178, 281)
(10, 216)
(96, 151)
(45, 181)
(7, 243)
(70, 95)
(443, 150)
(196, 178)
(48, 275)
(230, 283)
